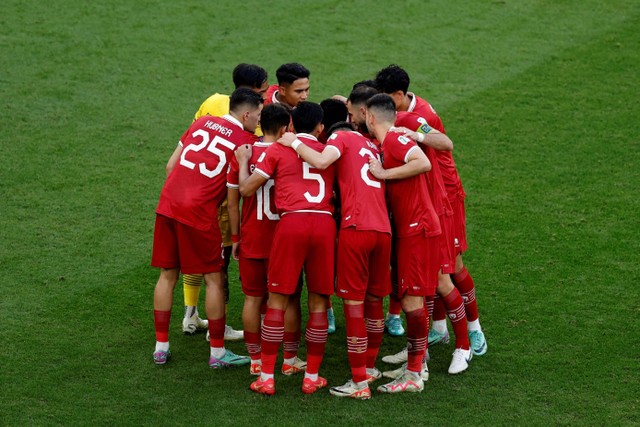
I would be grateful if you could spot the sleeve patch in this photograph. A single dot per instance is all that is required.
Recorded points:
(425, 128)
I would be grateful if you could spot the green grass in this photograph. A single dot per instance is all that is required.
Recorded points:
(540, 99)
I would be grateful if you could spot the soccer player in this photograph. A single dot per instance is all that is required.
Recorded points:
(186, 236)
(364, 247)
(426, 135)
(252, 241)
(394, 81)
(305, 236)
(356, 104)
(292, 87)
(255, 78)
(416, 228)
(333, 111)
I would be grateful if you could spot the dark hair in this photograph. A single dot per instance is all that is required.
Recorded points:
(333, 111)
(361, 94)
(289, 73)
(382, 105)
(249, 75)
(273, 118)
(340, 126)
(244, 97)
(306, 116)
(392, 79)
(370, 83)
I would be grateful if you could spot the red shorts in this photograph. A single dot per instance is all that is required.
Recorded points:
(253, 275)
(459, 224)
(363, 264)
(176, 245)
(448, 250)
(418, 265)
(303, 240)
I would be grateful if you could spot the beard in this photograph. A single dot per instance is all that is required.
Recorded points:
(362, 127)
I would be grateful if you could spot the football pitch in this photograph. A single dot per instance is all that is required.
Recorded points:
(541, 100)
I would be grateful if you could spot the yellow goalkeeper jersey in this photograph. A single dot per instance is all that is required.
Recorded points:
(217, 105)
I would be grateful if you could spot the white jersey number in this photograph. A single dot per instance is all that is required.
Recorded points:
(364, 171)
(263, 197)
(307, 174)
(211, 148)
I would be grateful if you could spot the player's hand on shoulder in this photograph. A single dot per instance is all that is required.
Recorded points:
(376, 169)
(287, 139)
(406, 132)
(243, 153)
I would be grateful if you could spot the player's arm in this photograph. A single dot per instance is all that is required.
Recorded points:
(173, 159)
(428, 136)
(317, 160)
(415, 164)
(248, 183)
(233, 206)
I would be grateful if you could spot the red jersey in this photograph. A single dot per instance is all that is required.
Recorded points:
(299, 187)
(196, 185)
(437, 189)
(270, 96)
(361, 194)
(411, 208)
(259, 216)
(450, 176)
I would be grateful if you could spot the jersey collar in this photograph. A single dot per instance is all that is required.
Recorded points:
(412, 104)
(233, 120)
(306, 135)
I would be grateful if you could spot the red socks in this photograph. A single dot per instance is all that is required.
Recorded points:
(272, 335)
(464, 283)
(394, 305)
(374, 323)
(252, 341)
(216, 332)
(417, 332)
(316, 337)
(439, 312)
(356, 341)
(291, 344)
(428, 305)
(161, 320)
(455, 311)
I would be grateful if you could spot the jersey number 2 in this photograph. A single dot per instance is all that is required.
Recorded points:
(364, 171)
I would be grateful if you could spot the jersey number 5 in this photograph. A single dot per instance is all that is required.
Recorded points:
(307, 174)
(211, 148)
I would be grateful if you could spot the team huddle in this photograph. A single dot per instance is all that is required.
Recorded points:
(356, 196)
